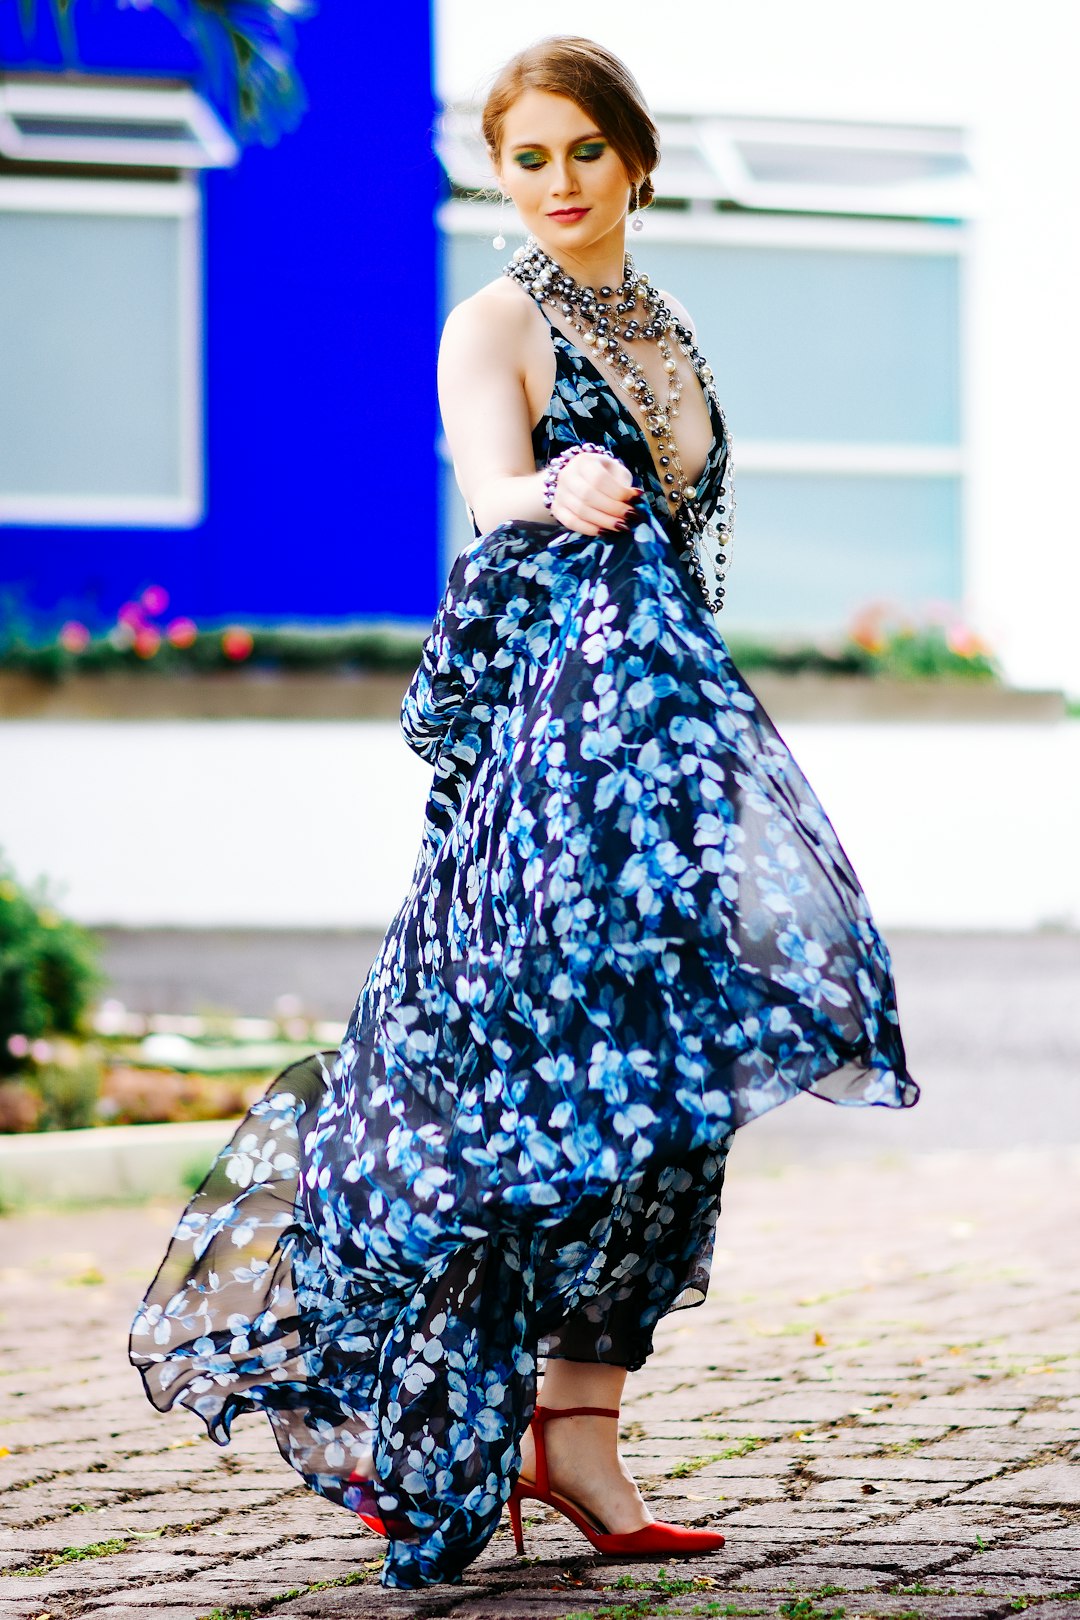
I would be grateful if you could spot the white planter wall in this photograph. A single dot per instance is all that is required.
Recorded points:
(316, 824)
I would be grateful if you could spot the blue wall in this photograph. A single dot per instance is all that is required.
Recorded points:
(321, 303)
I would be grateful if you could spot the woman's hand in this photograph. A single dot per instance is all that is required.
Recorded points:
(594, 494)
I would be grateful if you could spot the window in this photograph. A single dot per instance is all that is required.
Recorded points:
(167, 126)
(100, 304)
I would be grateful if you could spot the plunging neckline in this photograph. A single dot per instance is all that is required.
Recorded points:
(623, 406)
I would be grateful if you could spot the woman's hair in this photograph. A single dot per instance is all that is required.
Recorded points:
(599, 83)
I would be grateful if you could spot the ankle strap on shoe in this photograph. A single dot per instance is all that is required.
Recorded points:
(544, 1414)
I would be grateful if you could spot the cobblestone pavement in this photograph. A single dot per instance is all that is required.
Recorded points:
(879, 1405)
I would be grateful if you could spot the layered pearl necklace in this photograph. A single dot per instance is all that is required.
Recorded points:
(606, 319)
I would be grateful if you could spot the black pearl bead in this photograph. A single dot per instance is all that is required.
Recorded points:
(669, 478)
(605, 292)
(665, 461)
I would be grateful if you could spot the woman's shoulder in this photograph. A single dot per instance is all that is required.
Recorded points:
(497, 327)
(500, 308)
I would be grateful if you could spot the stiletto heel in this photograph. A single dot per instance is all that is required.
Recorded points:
(675, 1540)
(514, 1507)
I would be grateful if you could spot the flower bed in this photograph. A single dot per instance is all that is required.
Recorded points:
(882, 641)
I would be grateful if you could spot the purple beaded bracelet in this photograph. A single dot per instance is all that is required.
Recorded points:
(554, 468)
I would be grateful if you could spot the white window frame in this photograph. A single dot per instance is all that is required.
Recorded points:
(210, 145)
(178, 199)
(929, 198)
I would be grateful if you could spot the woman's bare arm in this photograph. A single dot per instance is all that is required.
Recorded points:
(486, 417)
(485, 412)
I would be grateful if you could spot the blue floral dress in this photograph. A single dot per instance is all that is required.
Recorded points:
(631, 929)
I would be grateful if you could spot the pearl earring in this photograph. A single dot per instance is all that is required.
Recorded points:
(637, 223)
(498, 241)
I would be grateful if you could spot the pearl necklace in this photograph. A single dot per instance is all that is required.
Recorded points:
(605, 320)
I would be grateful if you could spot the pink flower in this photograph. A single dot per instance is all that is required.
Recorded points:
(41, 1052)
(18, 1045)
(131, 614)
(181, 632)
(147, 641)
(74, 637)
(237, 643)
(155, 599)
(964, 642)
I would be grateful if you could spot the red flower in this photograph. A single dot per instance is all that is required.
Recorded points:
(237, 643)
(147, 641)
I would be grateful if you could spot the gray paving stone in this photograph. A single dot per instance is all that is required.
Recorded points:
(125, 1610)
(1053, 1485)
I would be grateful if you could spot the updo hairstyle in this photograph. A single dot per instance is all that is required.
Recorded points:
(599, 83)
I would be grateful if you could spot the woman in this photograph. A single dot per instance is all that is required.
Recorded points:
(631, 929)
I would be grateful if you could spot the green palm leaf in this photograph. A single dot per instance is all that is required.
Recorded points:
(246, 48)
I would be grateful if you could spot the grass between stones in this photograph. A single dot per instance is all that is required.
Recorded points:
(660, 1589)
(355, 1577)
(71, 1555)
(693, 1465)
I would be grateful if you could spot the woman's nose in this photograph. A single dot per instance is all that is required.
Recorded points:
(563, 181)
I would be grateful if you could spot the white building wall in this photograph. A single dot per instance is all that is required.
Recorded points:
(1009, 77)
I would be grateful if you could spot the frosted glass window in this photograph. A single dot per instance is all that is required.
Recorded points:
(823, 344)
(811, 549)
(810, 165)
(98, 356)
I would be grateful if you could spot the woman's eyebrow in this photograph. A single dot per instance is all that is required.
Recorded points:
(538, 146)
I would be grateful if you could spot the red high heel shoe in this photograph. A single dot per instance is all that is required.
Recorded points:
(669, 1539)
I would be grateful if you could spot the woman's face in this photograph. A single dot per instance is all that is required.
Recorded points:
(564, 177)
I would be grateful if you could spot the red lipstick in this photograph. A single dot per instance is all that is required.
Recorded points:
(568, 215)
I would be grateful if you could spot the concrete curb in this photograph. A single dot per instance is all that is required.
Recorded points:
(118, 1162)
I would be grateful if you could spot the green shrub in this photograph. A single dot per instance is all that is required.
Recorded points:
(49, 971)
(69, 1087)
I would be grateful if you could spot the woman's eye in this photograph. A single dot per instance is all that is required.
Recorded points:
(529, 160)
(589, 154)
